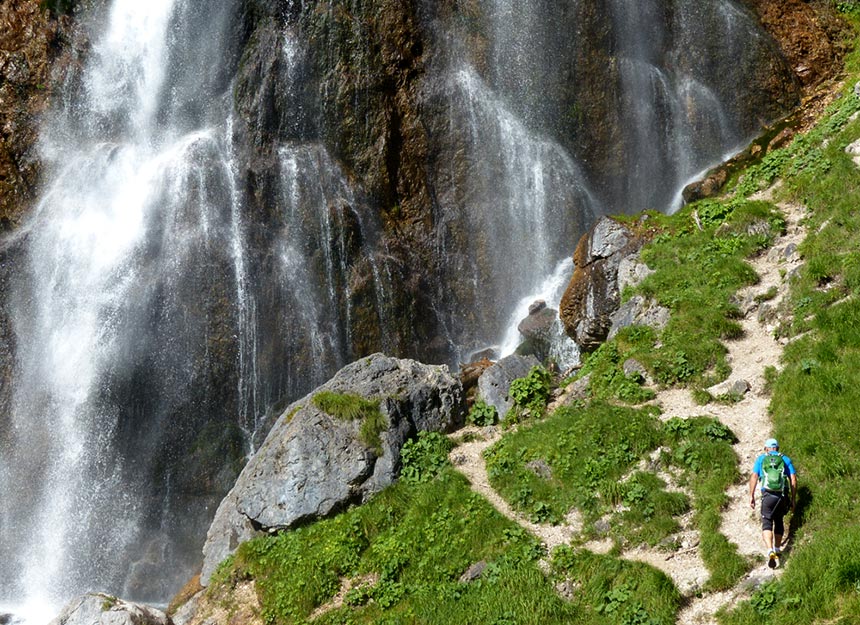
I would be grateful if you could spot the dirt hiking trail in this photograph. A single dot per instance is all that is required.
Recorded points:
(748, 356)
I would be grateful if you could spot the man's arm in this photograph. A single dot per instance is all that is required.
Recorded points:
(753, 483)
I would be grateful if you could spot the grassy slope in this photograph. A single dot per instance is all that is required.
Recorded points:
(415, 540)
(816, 396)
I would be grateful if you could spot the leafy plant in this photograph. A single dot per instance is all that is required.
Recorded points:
(483, 414)
(532, 391)
(423, 458)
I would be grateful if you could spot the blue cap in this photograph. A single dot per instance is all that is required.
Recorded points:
(771, 442)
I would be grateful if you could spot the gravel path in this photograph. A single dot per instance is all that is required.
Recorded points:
(748, 419)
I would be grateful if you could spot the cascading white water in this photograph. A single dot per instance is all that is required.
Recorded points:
(134, 200)
(672, 119)
(200, 252)
(311, 179)
(537, 200)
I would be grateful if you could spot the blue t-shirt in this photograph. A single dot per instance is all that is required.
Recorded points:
(789, 468)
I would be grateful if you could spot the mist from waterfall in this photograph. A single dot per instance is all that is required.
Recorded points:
(190, 267)
(141, 191)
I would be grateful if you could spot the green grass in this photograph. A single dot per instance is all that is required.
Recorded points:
(699, 257)
(815, 396)
(697, 273)
(701, 448)
(348, 407)
(416, 540)
(613, 591)
(588, 451)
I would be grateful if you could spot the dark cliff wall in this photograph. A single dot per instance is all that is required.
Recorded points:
(31, 42)
(370, 104)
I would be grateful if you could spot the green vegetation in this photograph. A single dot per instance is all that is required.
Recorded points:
(701, 448)
(849, 8)
(412, 544)
(530, 395)
(605, 364)
(482, 414)
(697, 273)
(816, 395)
(593, 452)
(425, 457)
(349, 407)
(409, 546)
(698, 256)
(613, 591)
(588, 451)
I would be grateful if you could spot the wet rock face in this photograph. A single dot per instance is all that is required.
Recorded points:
(31, 43)
(593, 294)
(346, 77)
(809, 35)
(313, 464)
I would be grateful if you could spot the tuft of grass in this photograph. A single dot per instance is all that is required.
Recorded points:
(702, 448)
(589, 450)
(697, 272)
(605, 365)
(611, 590)
(349, 407)
(530, 395)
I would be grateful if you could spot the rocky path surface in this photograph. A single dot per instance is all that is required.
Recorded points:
(749, 357)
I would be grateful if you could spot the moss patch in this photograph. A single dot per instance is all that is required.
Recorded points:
(349, 407)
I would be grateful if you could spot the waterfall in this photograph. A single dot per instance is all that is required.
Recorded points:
(207, 247)
(526, 105)
(109, 348)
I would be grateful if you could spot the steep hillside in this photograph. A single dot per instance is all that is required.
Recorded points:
(623, 501)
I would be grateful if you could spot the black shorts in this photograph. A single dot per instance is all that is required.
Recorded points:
(774, 507)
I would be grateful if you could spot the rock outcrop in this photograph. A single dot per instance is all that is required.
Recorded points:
(638, 311)
(809, 34)
(102, 609)
(32, 41)
(313, 464)
(538, 330)
(495, 383)
(593, 294)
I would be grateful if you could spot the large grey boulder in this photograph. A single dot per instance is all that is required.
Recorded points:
(102, 609)
(495, 383)
(539, 330)
(312, 464)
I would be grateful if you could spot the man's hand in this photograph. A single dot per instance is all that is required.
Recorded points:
(752, 502)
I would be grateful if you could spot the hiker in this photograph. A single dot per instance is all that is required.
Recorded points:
(778, 494)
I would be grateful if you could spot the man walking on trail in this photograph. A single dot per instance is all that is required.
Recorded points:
(778, 494)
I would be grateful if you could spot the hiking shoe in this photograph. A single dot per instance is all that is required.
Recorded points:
(772, 560)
